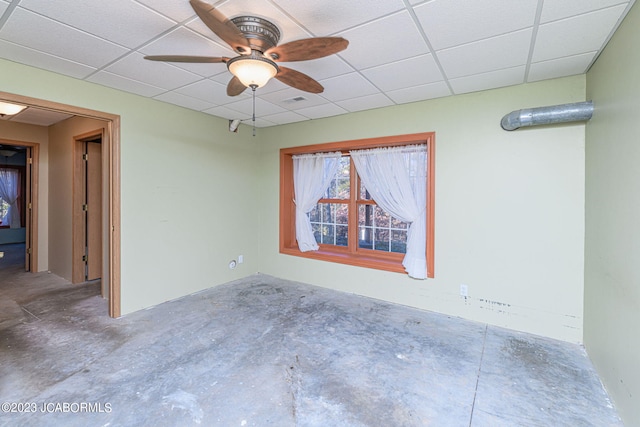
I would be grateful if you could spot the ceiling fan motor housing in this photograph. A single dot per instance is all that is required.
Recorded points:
(261, 34)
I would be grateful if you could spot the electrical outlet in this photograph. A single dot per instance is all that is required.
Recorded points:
(464, 291)
(240, 259)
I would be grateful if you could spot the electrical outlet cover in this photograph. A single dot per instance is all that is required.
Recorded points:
(464, 291)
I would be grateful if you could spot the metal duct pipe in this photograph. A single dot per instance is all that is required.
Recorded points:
(579, 111)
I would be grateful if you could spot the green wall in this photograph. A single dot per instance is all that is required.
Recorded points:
(612, 276)
(509, 205)
(188, 188)
(509, 220)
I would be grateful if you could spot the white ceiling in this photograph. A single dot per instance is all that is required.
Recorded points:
(400, 51)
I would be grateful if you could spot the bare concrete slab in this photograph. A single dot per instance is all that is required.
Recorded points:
(262, 351)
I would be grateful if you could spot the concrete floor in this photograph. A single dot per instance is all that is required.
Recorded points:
(267, 352)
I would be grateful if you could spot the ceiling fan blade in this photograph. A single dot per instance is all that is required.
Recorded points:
(221, 26)
(235, 87)
(298, 80)
(304, 49)
(186, 58)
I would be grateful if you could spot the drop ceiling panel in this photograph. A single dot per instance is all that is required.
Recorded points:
(206, 90)
(399, 50)
(49, 36)
(553, 10)
(491, 80)
(227, 113)
(492, 54)
(286, 117)
(321, 111)
(420, 93)
(24, 55)
(124, 22)
(390, 39)
(406, 73)
(263, 108)
(449, 23)
(154, 73)
(327, 17)
(323, 68)
(347, 86)
(377, 100)
(39, 117)
(291, 98)
(261, 122)
(122, 83)
(178, 11)
(184, 101)
(554, 68)
(579, 34)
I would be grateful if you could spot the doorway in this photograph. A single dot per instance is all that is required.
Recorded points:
(27, 197)
(110, 153)
(87, 209)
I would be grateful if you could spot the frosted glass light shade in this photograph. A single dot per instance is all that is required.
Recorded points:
(252, 70)
(7, 109)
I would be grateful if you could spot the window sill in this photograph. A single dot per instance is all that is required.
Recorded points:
(391, 263)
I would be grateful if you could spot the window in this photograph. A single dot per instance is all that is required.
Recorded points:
(13, 187)
(347, 223)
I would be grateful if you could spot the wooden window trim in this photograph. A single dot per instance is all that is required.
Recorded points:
(347, 255)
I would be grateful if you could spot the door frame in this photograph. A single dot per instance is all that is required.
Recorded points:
(78, 220)
(31, 216)
(111, 174)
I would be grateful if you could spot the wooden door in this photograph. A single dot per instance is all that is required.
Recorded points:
(87, 206)
(94, 210)
(28, 247)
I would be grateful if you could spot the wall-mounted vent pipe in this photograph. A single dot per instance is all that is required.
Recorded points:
(579, 111)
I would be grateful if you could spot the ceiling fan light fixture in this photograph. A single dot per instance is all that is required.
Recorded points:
(253, 70)
(7, 153)
(8, 109)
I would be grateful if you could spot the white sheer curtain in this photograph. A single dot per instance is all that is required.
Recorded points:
(312, 174)
(9, 193)
(396, 178)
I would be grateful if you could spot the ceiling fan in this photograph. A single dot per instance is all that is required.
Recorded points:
(256, 41)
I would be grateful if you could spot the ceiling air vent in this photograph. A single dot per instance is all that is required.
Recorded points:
(295, 99)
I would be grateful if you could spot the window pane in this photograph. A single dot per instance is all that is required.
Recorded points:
(365, 215)
(342, 214)
(365, 237)
(328, 213)
(339, 187)
(342, 237)
(381, 218)
(314, 215)
(399, 241)
(396, 223)
(329, 223)
(380, 231)
(328, 234)
(364, 194)
(381, 242)
(4, 208)
(317, 232)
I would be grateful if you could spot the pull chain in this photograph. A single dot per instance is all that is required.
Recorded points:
(253, 88)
